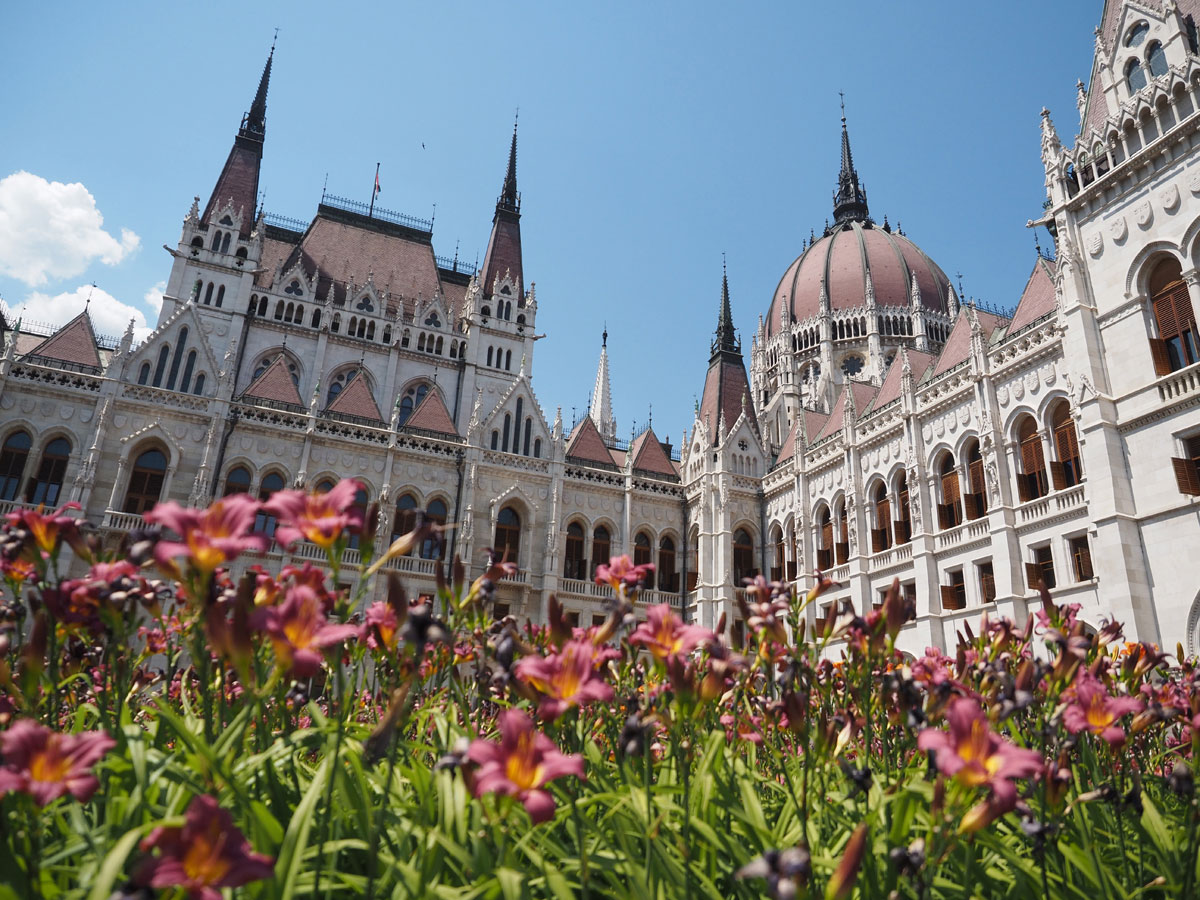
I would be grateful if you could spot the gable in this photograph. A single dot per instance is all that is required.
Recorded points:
(958, 345)
(585, 443)
(432, 415)
(649, 455)
(74, 343)
(275, 384)
(355, 400)
(1038, 298)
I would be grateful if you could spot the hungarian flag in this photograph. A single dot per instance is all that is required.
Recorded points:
(377, 188)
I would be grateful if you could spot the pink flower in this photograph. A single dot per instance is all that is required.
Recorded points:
(1095, 711)
(381, 625)
(207, 853)
(46, 765)
(566, 678)
(521, 764)
(211, 537)
(621, 571)
(665, 635)
(299, 630)
(978, 757)
(46, 528)
(319, 518)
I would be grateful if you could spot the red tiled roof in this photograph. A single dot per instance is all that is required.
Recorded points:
(814, 422)
(355, 400)
(238, 183)
(890, 389)
(275, 384)
(1038, 297)
(504, 253)
(432, 415)
(74, 343)
(863, 395)
(649, 455)
(958, 344)
(585, 443)
(725, 386)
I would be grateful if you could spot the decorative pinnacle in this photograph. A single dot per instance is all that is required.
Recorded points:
(254, 123)
(850, 198)
(509, 198)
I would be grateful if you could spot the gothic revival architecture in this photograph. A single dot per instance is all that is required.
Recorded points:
(884, 429)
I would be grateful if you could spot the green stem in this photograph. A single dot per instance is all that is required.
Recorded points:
(333, 774)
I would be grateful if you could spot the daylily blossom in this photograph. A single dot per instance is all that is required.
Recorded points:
(978, 757)
(620, 570)
(319, 518)
(208, 537)
(565, 679)
(521, 764)
(45, 528)
(1094, 710)
(46, 765)
(299, 630)
(381, 626)
(208, 853)
(665, 635)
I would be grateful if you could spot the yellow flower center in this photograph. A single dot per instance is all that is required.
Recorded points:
(49, 765)
(521, 768)
(202, 862)
(1098, 717)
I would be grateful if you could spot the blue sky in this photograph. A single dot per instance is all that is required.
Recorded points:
(653, 138)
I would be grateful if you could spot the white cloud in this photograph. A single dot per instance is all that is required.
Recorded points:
(110, 317)
(153, 297)
(50, 231)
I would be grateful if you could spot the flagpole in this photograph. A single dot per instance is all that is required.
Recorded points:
(374, 191)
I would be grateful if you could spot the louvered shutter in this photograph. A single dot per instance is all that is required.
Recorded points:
(1058, 474)
(1160, 356)
(1187, 476)
(988, 584)
(971, 502)
(949, 597)
(1083, 560)
(1164, 315)
(1033, 575)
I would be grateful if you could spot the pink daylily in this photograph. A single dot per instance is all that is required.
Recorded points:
(209, 538)
(620, 570)
(319, 518)
(299, 630)
(666, 636)
(521, 764)
(565, 679)
(1094, 710)
(209, 852)
(46, 765)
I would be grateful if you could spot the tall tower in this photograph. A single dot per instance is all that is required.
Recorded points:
(600, 409)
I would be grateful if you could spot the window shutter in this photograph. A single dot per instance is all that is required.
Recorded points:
(1033, 575)
(776, 573)
(943, 516)
(988, 583)
(976, 473)
(949, 597)
(902, 531)
(1187, 476)
(971, 501)
(1023, 488)
(1164, 314)
(843, 552)
(877, 539)
(692, 578)
(1058, 474)
(1160, 356)
(1083, 560)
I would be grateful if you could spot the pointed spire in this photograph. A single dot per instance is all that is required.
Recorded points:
(726, 340)
(600, 409)
(509, 198)
(254, 123)
(850, 198)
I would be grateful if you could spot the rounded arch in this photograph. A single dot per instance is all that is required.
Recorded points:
(239, 476)
(1047, 404)
(149, 465)
(1137, 276)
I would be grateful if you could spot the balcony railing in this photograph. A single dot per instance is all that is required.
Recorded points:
(1056, 503)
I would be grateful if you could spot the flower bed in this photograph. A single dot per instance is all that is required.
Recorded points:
(168, 729)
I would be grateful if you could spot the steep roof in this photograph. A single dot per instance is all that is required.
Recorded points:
(863, 395)
(814, 422)
(649, 455)
(355, 400)
(238, 181)
(275, 384)
(432, 415)
(74, 343)
(503, 254)
(585, 443)
(958, 344)
(725, 386)
(1038, 297)
(890, 389)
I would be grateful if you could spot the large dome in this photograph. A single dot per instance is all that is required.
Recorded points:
(843, 261)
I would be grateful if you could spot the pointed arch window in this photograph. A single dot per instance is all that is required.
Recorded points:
(642, 554)
(237, 481)
(434, 547)
(1135, 76)
(46, 484)
(601, 547)
(264, 522)
(881, 534)
(145, 481)
(187, 371)
(1031, 481)
(1067, 470)
(1177, 343)
(903, 525)
(406, 516)
(13, 457)
(950, 509)
(668, 578)
(144, 373)
(842, 547)
(161, 368)
(1156, 60)
(508, 535)
(825, 540)
(177, 358)
(975, 499)
(743, 557)
(574, 564)
(360, 504)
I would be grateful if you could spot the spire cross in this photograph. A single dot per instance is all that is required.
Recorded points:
(842, 95)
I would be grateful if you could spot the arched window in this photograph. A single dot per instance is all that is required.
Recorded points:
(495, 439)
(668, 578)
(1135, 76)
(1031, 481)
(1067, 470)
(507, 429)
(743, 557)
(145, 481)
(208, 292)
(199, 388)
(225, 246)
(778, 559)
(279, 310)
(336, 323)
(537, 448)
(339, 383)
(264, 522)
(288, 311)
(161, 368)
(237, 481)
(881, 534)
(220, 295)
(574, 565)
(508, 535)
(601, 547)
(406, 516)
(315, 322)
(433, 547)
(1176, 344)
(1137, 34)
(950, 509)
(216, 241)
(262, 306)
(177, 358)
(642, 553)
(360, 504)
(144, 373)
(842, 547)
(507, 360)
(324, 486)
(825, 540)
(902, 525)
(975, 499)
(489, 357)
(528, 432)
(187, 371)
(267, 361)
(12, 463)
(46, 484)
(1157, 60)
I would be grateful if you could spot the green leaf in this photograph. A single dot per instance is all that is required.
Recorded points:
(295, 841)
(114, 862)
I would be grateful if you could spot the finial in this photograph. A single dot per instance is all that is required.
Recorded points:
(604, 337)
(650, 416)
(842, 95)
(961, 292)
(88, 302)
